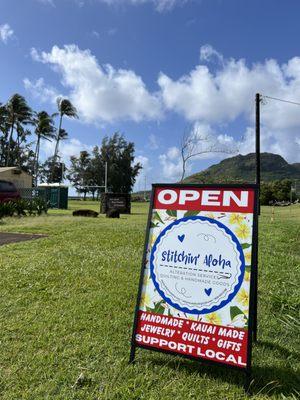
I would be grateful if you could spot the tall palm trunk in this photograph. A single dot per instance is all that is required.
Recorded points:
(18, 149)
(56, 147)
(9, 143)
(57, 138)
(36, 160)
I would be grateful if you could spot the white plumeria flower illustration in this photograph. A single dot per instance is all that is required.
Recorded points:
(239, 321)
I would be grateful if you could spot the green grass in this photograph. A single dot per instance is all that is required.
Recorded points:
(67, 303)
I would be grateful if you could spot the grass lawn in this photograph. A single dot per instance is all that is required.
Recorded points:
(67, 305)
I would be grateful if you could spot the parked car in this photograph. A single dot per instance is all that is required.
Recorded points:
(8, 192)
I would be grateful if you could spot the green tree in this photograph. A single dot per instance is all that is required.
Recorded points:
(21, 145)
(51, 172)
(44, 129)
(88, 170)
(80, 172)
(266, 193)
(282, 189)
(18, 115)
(3, 119)
(98, 168)
(122, 171)
(4, 130)
(65, 108)
(279, 190)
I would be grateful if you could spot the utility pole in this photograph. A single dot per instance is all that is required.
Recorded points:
(106, 173)
(257, 140)
(257, 181)
(62, 171)
(145, 183)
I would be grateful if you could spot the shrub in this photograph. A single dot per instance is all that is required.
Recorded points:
(20, 207)
(276, 191)
(41, 206)
(23, 207)
(7, 209)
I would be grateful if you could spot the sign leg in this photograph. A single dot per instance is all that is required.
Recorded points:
(132, 354)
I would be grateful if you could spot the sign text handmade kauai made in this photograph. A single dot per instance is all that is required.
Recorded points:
(197, 281)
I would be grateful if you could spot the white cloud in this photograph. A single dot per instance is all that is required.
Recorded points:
(167, 5)
(95, 34)
(205, 143)
(171, 164)
(6, 33)
(35, 55)
(143, 179)
(41, 91)
(47, 2)
(173, 153)
(226, 145)
(112, 31)
(219, 96)
(67, 148)
(211, 95)
(228, 92)
(159, 5)
(209, 144)
(144, 161)
(208, 53)
(100, 92)
(152, 142)
(283, 142)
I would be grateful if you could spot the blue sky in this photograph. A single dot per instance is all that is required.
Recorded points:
(153, 69)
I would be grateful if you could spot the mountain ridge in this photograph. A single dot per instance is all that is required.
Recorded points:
(241, 169)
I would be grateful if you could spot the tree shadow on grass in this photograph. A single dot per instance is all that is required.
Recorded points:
(268, 380)
(284, 352)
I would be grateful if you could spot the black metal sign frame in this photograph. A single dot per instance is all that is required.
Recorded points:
(252, 320)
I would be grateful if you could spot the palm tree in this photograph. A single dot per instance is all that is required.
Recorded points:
(57, 165)
(18, 112)
(3, 119)
(63, 135)
(21, 138)
(4, 129)
(44, 129)
(65, 107)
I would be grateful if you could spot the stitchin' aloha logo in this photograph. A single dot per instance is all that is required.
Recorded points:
(197, 265)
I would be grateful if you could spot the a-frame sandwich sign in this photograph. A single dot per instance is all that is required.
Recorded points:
(197, 290)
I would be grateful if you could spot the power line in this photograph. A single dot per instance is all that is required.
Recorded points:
(282, 100)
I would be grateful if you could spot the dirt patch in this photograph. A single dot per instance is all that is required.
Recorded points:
(6, 238)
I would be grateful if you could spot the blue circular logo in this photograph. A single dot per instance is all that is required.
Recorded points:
(197, 265)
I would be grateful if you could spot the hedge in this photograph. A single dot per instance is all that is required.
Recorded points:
(23, 207)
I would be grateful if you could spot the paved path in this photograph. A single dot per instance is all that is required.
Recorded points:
(6, 238)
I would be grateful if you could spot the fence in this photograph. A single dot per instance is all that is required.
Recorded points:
(57, 197)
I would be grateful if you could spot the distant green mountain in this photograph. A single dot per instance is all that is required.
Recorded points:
(242, 169)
